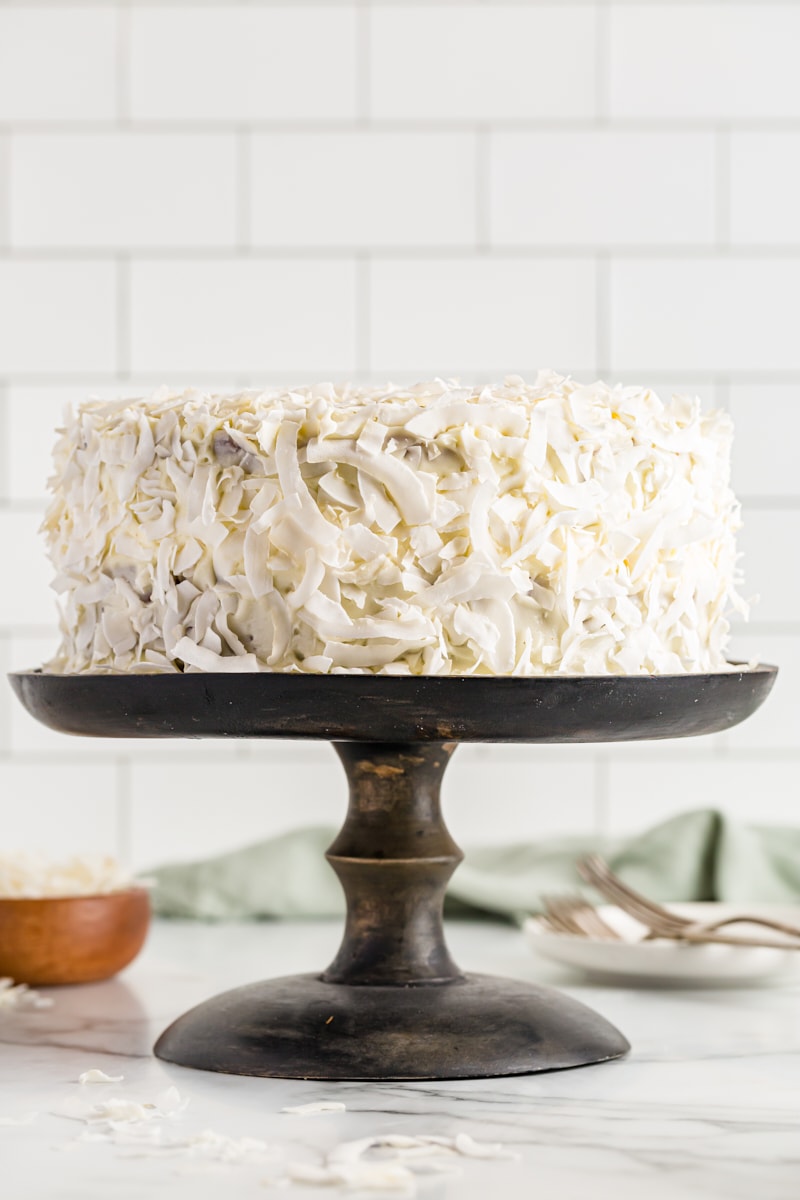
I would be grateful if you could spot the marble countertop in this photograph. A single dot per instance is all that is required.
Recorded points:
(707, 1104)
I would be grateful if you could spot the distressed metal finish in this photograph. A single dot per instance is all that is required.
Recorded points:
(392, 1004)
(394, 857)
(300, 1027)
(608, 708)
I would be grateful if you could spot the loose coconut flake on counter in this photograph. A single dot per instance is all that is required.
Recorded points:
(396, 1163)
(382, 1162)
(17, 997)
(108, 1116)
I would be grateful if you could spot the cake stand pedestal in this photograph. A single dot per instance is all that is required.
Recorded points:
(392, 1005)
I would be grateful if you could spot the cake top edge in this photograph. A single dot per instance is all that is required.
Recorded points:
(632, 400)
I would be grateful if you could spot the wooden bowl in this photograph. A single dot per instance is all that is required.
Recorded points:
(72, 939)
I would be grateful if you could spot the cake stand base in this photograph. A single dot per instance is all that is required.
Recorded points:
(301, 1027)
(392, 1004)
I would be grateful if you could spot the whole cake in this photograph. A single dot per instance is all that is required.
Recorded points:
(513, 529)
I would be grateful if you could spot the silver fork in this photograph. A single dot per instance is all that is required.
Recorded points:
(663, 923)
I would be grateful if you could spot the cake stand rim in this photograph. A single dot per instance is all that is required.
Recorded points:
(393, 709)
(40, 672)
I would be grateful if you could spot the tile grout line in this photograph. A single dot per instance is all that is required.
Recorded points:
(363, 304)
(721, 747)
(244, 175)
(447, 4)
(661, 252)
(5, 698)
(704, 377)
(5, 446)
(123, 64)
(363, 74)
(722, 188)
(123, 322)
(602, 799)
(170, 126)
(603, 315)
(602, 62)
(722, 393)
(483, 190)
(123, 810)
(656, 751)
(769, 503)
(6, 151)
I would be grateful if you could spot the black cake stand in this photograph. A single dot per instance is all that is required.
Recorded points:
(393, 1005)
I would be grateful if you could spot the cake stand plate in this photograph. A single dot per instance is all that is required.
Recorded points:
(392, 1005)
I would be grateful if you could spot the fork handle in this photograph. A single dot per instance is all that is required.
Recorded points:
(687, 935)
(778, 926)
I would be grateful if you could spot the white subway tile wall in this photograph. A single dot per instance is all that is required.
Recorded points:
(602, 186)
(480, 62)
(731, 313)
(58, 65)
(229, 194)
(765, 188)
(474, 315)
(135, 190)
(238, 62)
(703, 61)
(364, 189)
(58, 317)
(290, 315)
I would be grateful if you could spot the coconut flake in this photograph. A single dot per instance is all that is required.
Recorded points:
(114, 1113)
(35, 876)
(18, 997)
(375, 1177)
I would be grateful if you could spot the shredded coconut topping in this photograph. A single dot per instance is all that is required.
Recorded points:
(528, 529)
(25, 876)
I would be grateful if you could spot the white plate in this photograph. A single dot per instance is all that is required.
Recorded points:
(666, 961)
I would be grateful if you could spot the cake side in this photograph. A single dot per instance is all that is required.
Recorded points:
(545, 528)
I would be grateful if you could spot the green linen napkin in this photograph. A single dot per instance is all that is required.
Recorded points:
(700, 855)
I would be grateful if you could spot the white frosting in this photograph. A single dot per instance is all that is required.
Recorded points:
(529, 529)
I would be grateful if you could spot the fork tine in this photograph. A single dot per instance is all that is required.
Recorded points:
(661, 920)
(595, 871)
(560, 914)
(573, 914)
